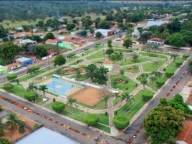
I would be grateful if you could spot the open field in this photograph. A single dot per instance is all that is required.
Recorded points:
(152, 66)
(97, 55)
(131, 61)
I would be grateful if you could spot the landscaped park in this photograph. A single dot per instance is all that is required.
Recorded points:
(103, 87)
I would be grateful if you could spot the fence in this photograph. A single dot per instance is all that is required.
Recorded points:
(42, 79)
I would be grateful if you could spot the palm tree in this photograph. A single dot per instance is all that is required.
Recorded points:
(103, 70)
(122, 72)
(116, 95)
(135, 57)
(43, 88)
(2, 127)
(90, 71)
(174, 56)
(144, 82)
(127, 97)
(70, 101)
(31, 87)
(77, 73)
(12, 120)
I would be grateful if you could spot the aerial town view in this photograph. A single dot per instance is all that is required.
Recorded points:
(96, 72)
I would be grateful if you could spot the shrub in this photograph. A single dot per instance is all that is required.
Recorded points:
(185, 56)
(58, 106)
(120, 122)
(178, 62)
(36, 125)
(147, 95)
(11, 76)
(71, 55)
(4, 140)
(169, 72)
(30, 95)
(21, 126)
(35, 68)
(106, 113)
(160, 82)
(8, 86)
(91, 119)
(53, 99)
(109, 51)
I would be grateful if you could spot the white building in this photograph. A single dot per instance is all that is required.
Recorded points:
(27, 41)
(108, 64)
(19, 29)
(49, 29)
(35, 30)
(135, 33)
(104, 32)
(155, 41)
(14, 66)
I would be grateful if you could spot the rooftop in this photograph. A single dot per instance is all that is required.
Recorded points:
(156, 39)
(13, 64)
(51, 40)
(108, 62)
(45, 136)
(186, 134)
(22, 59)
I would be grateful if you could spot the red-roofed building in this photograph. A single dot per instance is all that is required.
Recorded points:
(155, 41)
(21, 34)
(108, 64)
(51, 52)
(51, 41)
(14, 66)
(185, 137)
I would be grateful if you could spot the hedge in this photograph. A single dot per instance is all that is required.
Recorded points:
(4, 140)
(185, 56)
(35, 68)
(8, 86)
(30, 95)
(120, 122)
(11, 76)
(91, 119)
(147, 95)
(58, 106)
(169, 72)
(160, 82)
(178, 62)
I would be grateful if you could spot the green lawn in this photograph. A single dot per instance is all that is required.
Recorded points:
(172, 66)
(153, 85)
(72, 59)
(28, 76)
(128, 87)
(79, 115)
(143, 76)
(132, 69)
(96, 55)
(99, 61)
(131, 108)
(124, 50)
(19, 91)
(81, 78)
(150, 54)
(152, 66)
(131, 61)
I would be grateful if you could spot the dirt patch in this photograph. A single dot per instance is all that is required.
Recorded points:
(189, 85)
(189, 99)
(82, 69)
(119, 80)
(89, 96)
(130, 68)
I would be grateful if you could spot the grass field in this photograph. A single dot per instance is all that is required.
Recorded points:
(128, 87)
(132, 69)
(143, 76)
(152, 66)
(152, 55)
(96, 55)
(79, 115)
(131, 61)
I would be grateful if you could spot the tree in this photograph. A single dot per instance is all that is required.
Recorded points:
(4, 140)
(2, 127)
(179, 62)
(86, 22)
(9, 50)
(127, 97)
(135, 57)
(145, 35)
(91, 119)
(127, 43)
(109, 51)
(109, 43)
(176, 40)
(11, 77)
(90, 71)
(83, 33)
(43, 88)
(98, 35)
(49, 36)
(2, 62)
(70, 26)
(59, 60)
(31, 87)
(120, 122)
(40, 51)
(122, 72)
(175, 26)
(144, 82)
(58, 106)
(185, 56)
(169, 72)
(147, 95)
(174, 56)
(103, 24)
(163, 124)
(3, 32)
(12, 120)
(70, 101)
(8, 86)
(30, 95)
(160, 82)
(70, 55)
(91, 30)
(190, 65)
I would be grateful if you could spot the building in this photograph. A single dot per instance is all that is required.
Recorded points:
(14, 66)
(185, 136)
(24, 61)
(108, 64)
(21, 34)
(51, 41)
(19, 29)
(27, 41)
(104, 32)
(155, 41)
(49, 29)
(135, 33)
(51, 52)
(45, 136)
(60, 37)
(35, 30)
(3, 70)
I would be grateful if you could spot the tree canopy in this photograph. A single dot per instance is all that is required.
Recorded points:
(59, 60)
(127, 43)
(176, 40)
(9, 50)
(91, 119)
(40, 51)
(163, 124)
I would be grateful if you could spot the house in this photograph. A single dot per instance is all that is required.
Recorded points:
(108, 64)
(3, 70)
(51, 41)
(60, 37)
(21, 34)
(62, 31)
(185, 136)
(27, 41)
(51, 52)
(24, 61)
(11, 32)
(49, 29)
(75, 32)
(19, 29)
(77, 40)
(68, 39)
(155, 41)
(116, 30)
(104, 32)
(35, 30)
(14, 66)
